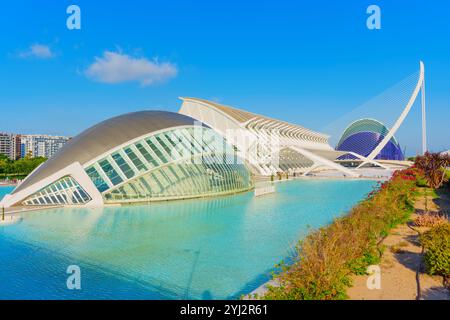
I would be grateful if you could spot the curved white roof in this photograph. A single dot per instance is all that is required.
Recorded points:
(105, 136)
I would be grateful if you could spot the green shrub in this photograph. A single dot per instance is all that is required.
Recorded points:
(421, 182)
(359, 265)
(436, 243)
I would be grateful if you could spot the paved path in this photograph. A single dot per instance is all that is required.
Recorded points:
(402, 272)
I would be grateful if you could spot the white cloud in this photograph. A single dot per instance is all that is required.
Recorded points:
(40, 51)
(115, 67)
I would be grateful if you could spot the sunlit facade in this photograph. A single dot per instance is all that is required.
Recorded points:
(138, 157)
(268, 145)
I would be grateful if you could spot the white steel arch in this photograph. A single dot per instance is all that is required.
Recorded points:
(420, 86)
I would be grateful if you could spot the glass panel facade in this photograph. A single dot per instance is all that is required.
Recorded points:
(126, 169)
(97, 179)
(110, 172)
(65, 191)
(135, 159)
(191, 180)
(156, 149)
(146, 155)
(177, 163)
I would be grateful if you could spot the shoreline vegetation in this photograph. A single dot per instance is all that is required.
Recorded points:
(12, 170)
(327, 260)
(404, 273)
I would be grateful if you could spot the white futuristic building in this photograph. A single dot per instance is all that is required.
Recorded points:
(268, 145)
(204, 150)
(137, 157)
(363, 135)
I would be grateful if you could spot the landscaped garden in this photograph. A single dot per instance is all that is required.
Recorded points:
(18, 169)
(327, 258)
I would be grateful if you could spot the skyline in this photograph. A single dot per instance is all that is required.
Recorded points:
(291, 61)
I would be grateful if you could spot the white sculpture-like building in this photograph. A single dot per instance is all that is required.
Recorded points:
(269, 146)
(206, 149)
(136, 157)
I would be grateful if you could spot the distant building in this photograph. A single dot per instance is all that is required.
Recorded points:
(10, 145)
(41, 145)
(26, 146)
(363, 136)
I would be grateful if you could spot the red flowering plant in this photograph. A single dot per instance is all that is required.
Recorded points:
(405, 174)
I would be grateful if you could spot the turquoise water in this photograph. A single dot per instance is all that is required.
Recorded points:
(201, 249)
(4, 191)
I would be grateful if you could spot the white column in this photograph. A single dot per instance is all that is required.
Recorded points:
(424, 120)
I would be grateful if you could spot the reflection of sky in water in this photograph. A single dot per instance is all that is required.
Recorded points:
(208, 248)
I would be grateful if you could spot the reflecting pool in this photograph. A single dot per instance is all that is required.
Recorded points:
(216, 248)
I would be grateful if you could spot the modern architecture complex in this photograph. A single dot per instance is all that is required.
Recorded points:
(363, 136)
(269, 146)
(205, 149)
(137, 157)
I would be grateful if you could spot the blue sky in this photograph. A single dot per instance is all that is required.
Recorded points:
(306, 62)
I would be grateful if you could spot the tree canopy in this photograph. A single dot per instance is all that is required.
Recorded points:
(19, 167)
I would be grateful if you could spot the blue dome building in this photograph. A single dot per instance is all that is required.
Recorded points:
(362, 137)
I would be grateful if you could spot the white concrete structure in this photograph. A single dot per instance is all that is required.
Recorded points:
(269, 146)
(137, 157)
(420, 87)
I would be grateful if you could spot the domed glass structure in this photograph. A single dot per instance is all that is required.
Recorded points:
(136, 157)
(362, 137)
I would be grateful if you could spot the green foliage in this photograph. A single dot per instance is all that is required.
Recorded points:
(421, 182)
(21, 167)
(436, 242)
(327, 257)
(433, 166)
(370, 257)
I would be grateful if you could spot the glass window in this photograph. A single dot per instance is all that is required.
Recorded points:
(168, 146)
(156, 150)
(136, 161)
(76, 198)
(194, 137)
(69, 183)
(64, 186)
(164, 145)
(146, 155)
(97, 179)
(186, 149)
(83, 194)
(123, 165)
(187, 138)
(110, 172)
(200, 174)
